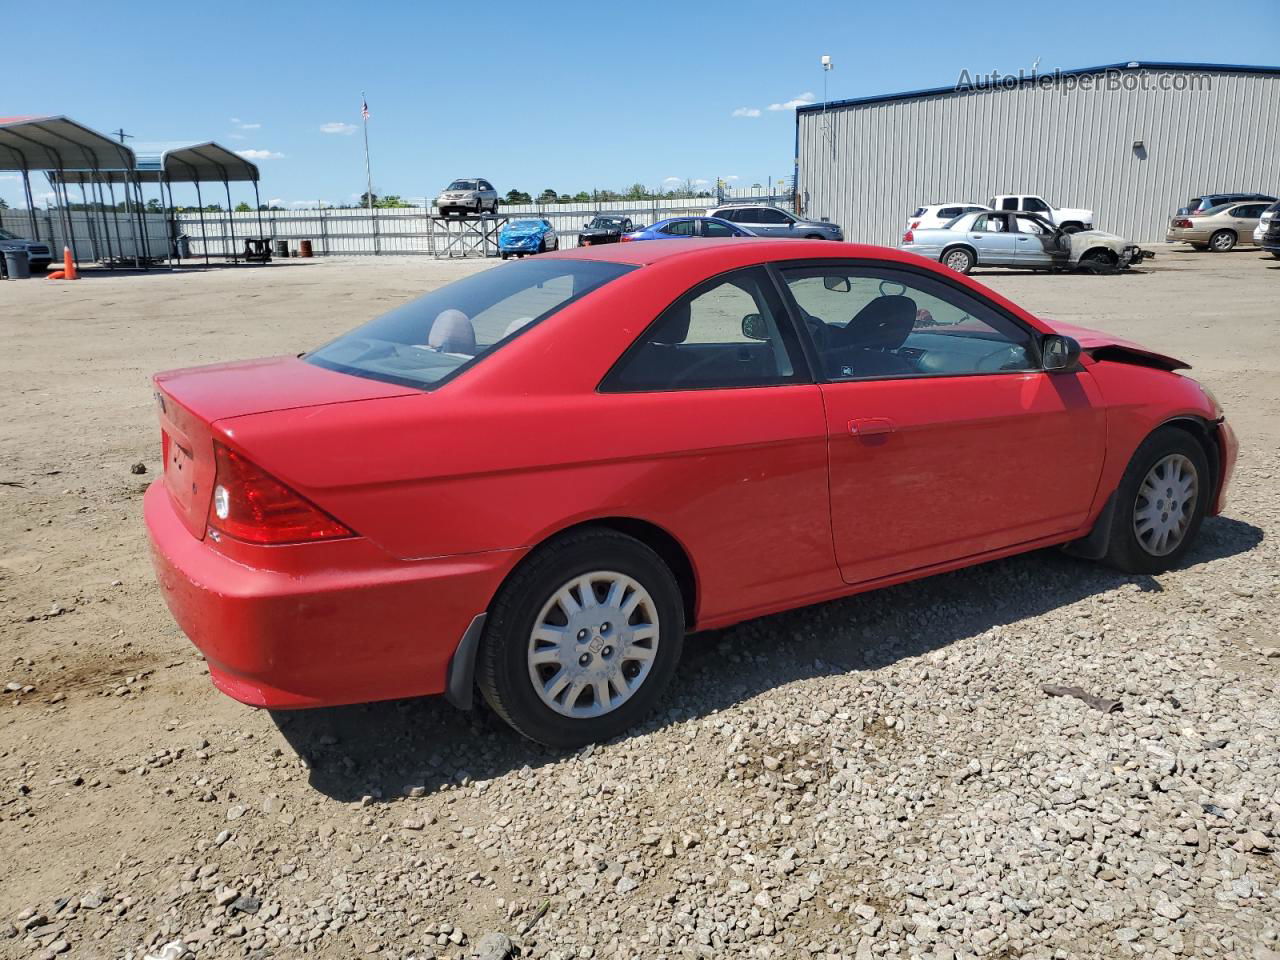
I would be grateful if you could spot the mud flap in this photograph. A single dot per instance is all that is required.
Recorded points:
(1094, 546)
(460, 683)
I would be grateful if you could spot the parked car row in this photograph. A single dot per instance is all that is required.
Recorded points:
(1224, 223)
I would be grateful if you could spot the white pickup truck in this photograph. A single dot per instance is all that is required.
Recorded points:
(1070, 220)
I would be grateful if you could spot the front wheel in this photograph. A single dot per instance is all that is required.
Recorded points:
(582, 639)
(1160, 503)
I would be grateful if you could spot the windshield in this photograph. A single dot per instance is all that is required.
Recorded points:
(525, 225)
(425, 341)
(462, 185)
(607, 222)
(6, 235)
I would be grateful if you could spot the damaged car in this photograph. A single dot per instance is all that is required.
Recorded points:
(999, 238)
(604, 229)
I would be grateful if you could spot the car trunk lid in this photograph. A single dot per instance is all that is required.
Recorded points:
(192, 400)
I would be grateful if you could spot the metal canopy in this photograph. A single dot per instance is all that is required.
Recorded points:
(207, 162)
(56, 143)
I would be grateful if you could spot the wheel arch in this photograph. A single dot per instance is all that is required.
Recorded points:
(1203, 432)
(964, 246)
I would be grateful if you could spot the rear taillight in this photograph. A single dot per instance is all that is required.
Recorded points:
(251, 505)
(908, 237)
(1182, 222)
(625, 239)
(914, 224)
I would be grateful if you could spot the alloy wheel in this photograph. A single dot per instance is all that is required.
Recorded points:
(593, 644)
(957, 260)
(1165, 504)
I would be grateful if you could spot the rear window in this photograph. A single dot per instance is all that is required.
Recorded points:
(920, 211)
(428, 340)
(946, 213)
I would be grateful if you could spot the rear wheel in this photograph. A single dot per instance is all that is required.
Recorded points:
(582, 640)
(959, 259)
(1160, 503)
(1222, 241)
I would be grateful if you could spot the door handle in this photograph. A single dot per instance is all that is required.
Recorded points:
(870, 426)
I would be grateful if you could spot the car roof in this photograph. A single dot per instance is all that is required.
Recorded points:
(761, 249)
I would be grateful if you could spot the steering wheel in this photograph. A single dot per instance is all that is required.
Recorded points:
(1008, 354)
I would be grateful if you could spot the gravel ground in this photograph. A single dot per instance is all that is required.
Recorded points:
(882, 776)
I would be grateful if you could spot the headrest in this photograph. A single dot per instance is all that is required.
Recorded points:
(883, 324)
(452, 332)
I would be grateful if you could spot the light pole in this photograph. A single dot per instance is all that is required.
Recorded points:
(826, 131)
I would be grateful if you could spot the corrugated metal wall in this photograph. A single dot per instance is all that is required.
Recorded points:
(1074, 148)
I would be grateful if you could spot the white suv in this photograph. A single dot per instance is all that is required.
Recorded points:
(473, 195)
(935, 215)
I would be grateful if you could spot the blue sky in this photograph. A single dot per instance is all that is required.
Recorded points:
(568, 95)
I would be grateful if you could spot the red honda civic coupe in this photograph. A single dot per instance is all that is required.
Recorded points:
(537, 479)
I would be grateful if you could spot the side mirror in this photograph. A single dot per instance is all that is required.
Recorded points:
(754, 328)
(585, 226)
(837, 284)
(1058, 353)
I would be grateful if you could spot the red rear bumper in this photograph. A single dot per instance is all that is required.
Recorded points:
(337, 622)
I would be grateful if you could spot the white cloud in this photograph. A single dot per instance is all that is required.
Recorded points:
(733, 176)
(801, 100)
(241, 125)
(274, 201)
(746, 112)
(259, 154)
(673, 179)
(343, 128)
(701, 183)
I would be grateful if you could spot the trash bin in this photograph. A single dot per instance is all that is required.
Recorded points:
(182, 247)
(282, 249)
(304, 248)
(17, 265)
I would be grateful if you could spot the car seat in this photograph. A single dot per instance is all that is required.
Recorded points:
(452, 332)
(860, 348)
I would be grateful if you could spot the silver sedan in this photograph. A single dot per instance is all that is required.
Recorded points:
(1000, 238)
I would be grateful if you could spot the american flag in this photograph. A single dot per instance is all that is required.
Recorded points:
(364, 107)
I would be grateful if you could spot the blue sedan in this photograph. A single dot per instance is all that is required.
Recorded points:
(519, 237)
(688, 227)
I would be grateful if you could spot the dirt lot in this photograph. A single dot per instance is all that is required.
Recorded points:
(876, 777)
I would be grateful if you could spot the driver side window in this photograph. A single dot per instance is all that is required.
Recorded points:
(729, 331)
(868, 322)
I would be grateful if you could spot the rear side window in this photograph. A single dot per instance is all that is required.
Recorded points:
(730, 215)
(729, 331)
(770, 215)
(946, 213)
(920, 211)
(1009, 203)
(712, 229)
(1250, 211)
(680, 228)
(428, 340)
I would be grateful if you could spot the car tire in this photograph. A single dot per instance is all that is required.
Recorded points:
(1222, 241)
(504, 255)
(959, 259)
(542, 245)
(1072, 228)
(531, 599)
(1276, 254)
(1099, 261)
(1161, 463)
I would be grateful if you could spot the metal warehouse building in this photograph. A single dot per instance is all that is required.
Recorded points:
(1131, 141)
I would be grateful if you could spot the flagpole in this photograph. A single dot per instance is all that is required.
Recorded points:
(368, 175)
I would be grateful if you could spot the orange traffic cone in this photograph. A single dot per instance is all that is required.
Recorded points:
(68, 264)
(56, 275)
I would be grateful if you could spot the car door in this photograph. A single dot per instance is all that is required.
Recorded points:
(1245, 218)
(945, 438)
(713, 228)
(774, 222)
(717, 394)
(1032, 242)
(550, 236)
(993, 240)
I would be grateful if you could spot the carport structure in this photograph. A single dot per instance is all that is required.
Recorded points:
(58, 145)
(168, 163)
